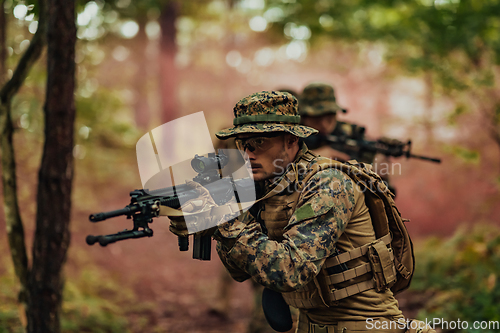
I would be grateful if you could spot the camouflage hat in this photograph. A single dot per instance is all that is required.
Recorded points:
(318, 99)
(267, 111)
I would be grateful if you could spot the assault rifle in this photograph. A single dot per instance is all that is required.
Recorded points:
(145, 205)
(357, 147)
(350, 139)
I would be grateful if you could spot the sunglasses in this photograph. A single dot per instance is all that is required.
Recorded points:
(257, 144)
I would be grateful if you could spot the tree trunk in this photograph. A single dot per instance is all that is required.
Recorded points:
(56, 171)
(141, 77)
(15, 230)
(3, 44)
(168, 71)
(429, 106)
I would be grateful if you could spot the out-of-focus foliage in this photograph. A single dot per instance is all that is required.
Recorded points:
(93, 301)
(466, 155)
(9, 316)
(462, 274)
(416, 32)
(104, 114)
(454, 43)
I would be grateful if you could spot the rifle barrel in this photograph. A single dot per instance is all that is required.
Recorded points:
(432, 159)
(132, 208)
(106, 215)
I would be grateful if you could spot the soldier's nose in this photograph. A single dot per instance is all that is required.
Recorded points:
(249, 147)
(250, 153)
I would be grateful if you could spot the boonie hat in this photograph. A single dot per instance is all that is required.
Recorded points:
(318, 99)
(267, 111)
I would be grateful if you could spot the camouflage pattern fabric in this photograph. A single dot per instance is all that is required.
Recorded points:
(324, 207)
(318, 99)
(267, 111)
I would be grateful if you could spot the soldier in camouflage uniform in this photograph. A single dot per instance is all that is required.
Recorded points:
(318, 109)
(305, 216)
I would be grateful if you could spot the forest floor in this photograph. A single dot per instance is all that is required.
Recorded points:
(152, 286)
(178, 293)
(183, 294)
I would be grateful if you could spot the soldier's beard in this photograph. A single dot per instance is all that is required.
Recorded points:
(280, 163)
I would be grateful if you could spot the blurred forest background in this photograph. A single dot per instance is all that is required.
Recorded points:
(425, 70)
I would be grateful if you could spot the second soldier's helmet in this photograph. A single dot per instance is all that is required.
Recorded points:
(318, 99)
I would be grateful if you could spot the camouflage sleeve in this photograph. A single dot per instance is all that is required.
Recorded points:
(324, 208)
(226, 241)
(235, 272)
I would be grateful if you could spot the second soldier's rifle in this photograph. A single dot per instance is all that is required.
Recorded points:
(358, 146)
(145, 205)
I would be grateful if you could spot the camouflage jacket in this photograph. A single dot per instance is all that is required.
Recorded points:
(324, 207)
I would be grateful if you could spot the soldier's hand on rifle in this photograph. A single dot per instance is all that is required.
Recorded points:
(391, 142)
(202, 204)
(178, 226)
(229, 232)
(394, 148)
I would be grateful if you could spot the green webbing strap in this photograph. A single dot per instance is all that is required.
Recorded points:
(354, 253)
(354, 289)
(349, 274)
(266, 118)
(386, 262)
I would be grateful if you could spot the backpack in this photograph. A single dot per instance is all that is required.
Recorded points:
(386, 220)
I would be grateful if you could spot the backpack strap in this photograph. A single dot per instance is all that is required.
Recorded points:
(352, 273)
(337, 294)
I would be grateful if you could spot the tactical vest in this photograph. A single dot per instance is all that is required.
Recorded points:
(388, 262)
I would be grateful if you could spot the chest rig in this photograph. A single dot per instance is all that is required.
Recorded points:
(275, 209)
(387, 262)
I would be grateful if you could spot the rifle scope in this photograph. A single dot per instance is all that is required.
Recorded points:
(202, 164)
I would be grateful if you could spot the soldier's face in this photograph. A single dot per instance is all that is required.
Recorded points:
(324, 124)
(269, 156)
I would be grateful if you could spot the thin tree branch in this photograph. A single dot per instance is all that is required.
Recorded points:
(3, 44)
(28, 59)
(15, 229)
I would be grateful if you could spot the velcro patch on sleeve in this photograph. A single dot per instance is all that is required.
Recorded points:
(304, 212)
